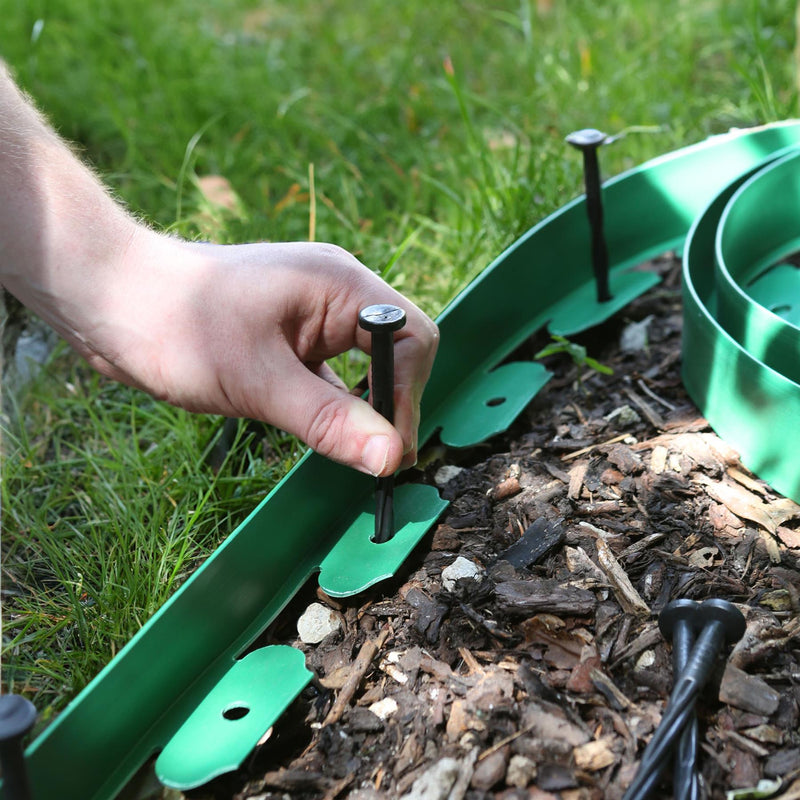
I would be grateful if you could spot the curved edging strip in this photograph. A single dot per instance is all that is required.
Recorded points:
(167, 672)
(758, 295)
(741, 358)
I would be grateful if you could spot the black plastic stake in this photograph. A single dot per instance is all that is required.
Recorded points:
(722, 623)
(382, 321)
(588, 140)
(678, 624)
(678, 621)
(17, 716)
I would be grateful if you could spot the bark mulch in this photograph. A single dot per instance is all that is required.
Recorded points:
(541, 673)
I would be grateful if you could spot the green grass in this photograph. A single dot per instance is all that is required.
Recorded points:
(434, 135)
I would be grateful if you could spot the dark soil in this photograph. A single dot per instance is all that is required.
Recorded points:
(546, 676)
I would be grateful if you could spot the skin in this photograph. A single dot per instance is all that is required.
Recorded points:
(240, 330)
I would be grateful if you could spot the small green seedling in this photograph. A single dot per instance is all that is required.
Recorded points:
(577, 352)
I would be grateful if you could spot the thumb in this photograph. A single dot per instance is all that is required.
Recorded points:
(335, 423)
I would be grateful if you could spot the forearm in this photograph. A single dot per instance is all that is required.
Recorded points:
(60, 231)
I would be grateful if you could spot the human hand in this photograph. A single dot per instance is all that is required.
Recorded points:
(245, 331)
(240, 330)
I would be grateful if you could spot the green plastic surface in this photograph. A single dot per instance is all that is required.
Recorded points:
(759, 226)
(356, 562)
(235, 714)
(175, 665)
(490, 400)
(737, 353)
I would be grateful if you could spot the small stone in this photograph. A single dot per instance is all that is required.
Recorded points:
(384, 709)
(317, 622)
(490, 770)
(634, 337)
(436, 782)
(623, 417)
(521, 771)
(645, 661)
(446, 473)
(460, 568)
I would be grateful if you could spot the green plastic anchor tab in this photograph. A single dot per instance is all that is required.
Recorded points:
(232, 718)
(356, 562)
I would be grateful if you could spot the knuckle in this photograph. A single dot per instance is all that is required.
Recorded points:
(326, 433)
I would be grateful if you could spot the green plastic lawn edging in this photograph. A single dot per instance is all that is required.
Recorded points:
(191, 686)
(741, 343)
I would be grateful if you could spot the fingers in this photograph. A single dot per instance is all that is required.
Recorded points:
(348, 287)
(334, 423)
(413, 363)
(249, 335)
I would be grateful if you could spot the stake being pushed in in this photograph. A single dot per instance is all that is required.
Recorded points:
(382, 321)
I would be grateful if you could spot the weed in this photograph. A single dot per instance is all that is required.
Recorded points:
(577, 353)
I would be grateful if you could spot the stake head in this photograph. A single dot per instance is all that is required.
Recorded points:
(678, 611)
(381, 317)
(17, 716)
(732, 620)
(587, 138)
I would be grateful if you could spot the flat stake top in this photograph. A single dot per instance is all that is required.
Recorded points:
(17, 715)
(586, 138)
(727, 614)
(683, 610)
(381, 317)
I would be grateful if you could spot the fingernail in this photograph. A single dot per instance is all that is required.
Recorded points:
(375, 454)
(409, 460)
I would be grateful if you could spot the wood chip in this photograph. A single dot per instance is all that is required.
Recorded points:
(609, 690)
(627, 596)
(641, 545)
(773, 550)
(765, 733)
(646, 639)
(584, 450)
(658, 459)
(576, 475)
(593, 756)
(747, 505)
(748, 692)
(534, 544)
(650, 414)
(543, 595)
(578, 562)
(789, 537)
(507, 488)
(746, 480)
(364, 659)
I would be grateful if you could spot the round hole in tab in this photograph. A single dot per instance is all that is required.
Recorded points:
(235, 712)
(495, 401)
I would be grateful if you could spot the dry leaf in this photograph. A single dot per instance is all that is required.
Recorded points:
(703, 558)
(747, 505)
(218, 191)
